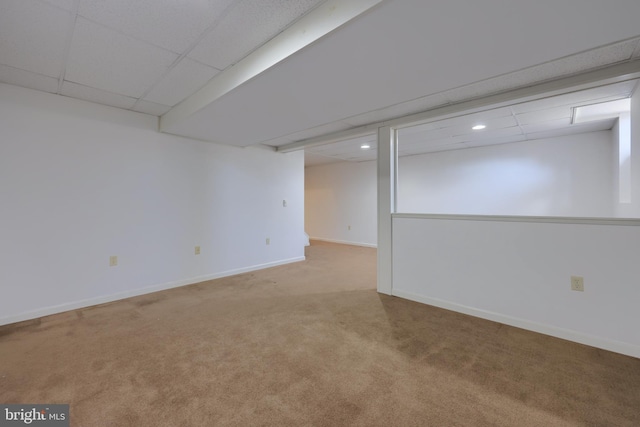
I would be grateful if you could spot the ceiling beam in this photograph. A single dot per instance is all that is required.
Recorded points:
(322, 20)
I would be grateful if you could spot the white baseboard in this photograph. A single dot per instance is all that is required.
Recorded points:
(344, 242)
(567, 334)
(46, 311)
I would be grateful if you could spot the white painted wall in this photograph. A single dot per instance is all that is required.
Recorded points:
(564, 176)
(635, 153)
(340, 195)
(622, 185)
(518, 273)
(80, 182)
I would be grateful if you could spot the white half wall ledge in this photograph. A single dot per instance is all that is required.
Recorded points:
(327, 17)
(47, 311)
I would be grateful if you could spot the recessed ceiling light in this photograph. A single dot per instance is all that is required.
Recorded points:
(478, 127)
(365, 146)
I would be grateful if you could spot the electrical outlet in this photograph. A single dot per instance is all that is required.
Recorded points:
(348, 227)
(577, 283)
(197, 250)
(113, 261)
(268, 241)
(284, 203)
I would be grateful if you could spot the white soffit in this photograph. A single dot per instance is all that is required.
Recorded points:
(184, 79)
(402, 50)
(248, 25)
(314, 25)
(543, 118)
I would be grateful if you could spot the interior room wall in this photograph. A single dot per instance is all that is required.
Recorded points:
(341, 202)
(635, 153)
(81, 182)
(519, 273)
(563, 176)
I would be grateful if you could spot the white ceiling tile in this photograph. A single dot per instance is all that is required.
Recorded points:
(248, 25)
(96, 95)
(33, 36)
(102, 58)
(184, 79)
(544, 115)
(171, 24)
(14, 76)
(68, 5)
(151, 108)
(548, 125)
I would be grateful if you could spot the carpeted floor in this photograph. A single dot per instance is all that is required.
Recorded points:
(313, 344)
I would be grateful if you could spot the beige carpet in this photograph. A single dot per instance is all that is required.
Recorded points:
(309, 343)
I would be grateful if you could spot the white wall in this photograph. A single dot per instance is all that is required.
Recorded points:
(635, 153)
(518, 273)
(340, 195)
(564, 176)
(80, 182)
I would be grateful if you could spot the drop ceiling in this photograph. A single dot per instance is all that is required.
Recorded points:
(395, 58)
(523, 121)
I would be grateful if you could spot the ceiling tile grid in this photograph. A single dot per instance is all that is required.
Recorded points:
(105, 59)
(248, 25)
(33, 36)
(87, 93)
(548, 114)
(172, 25)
